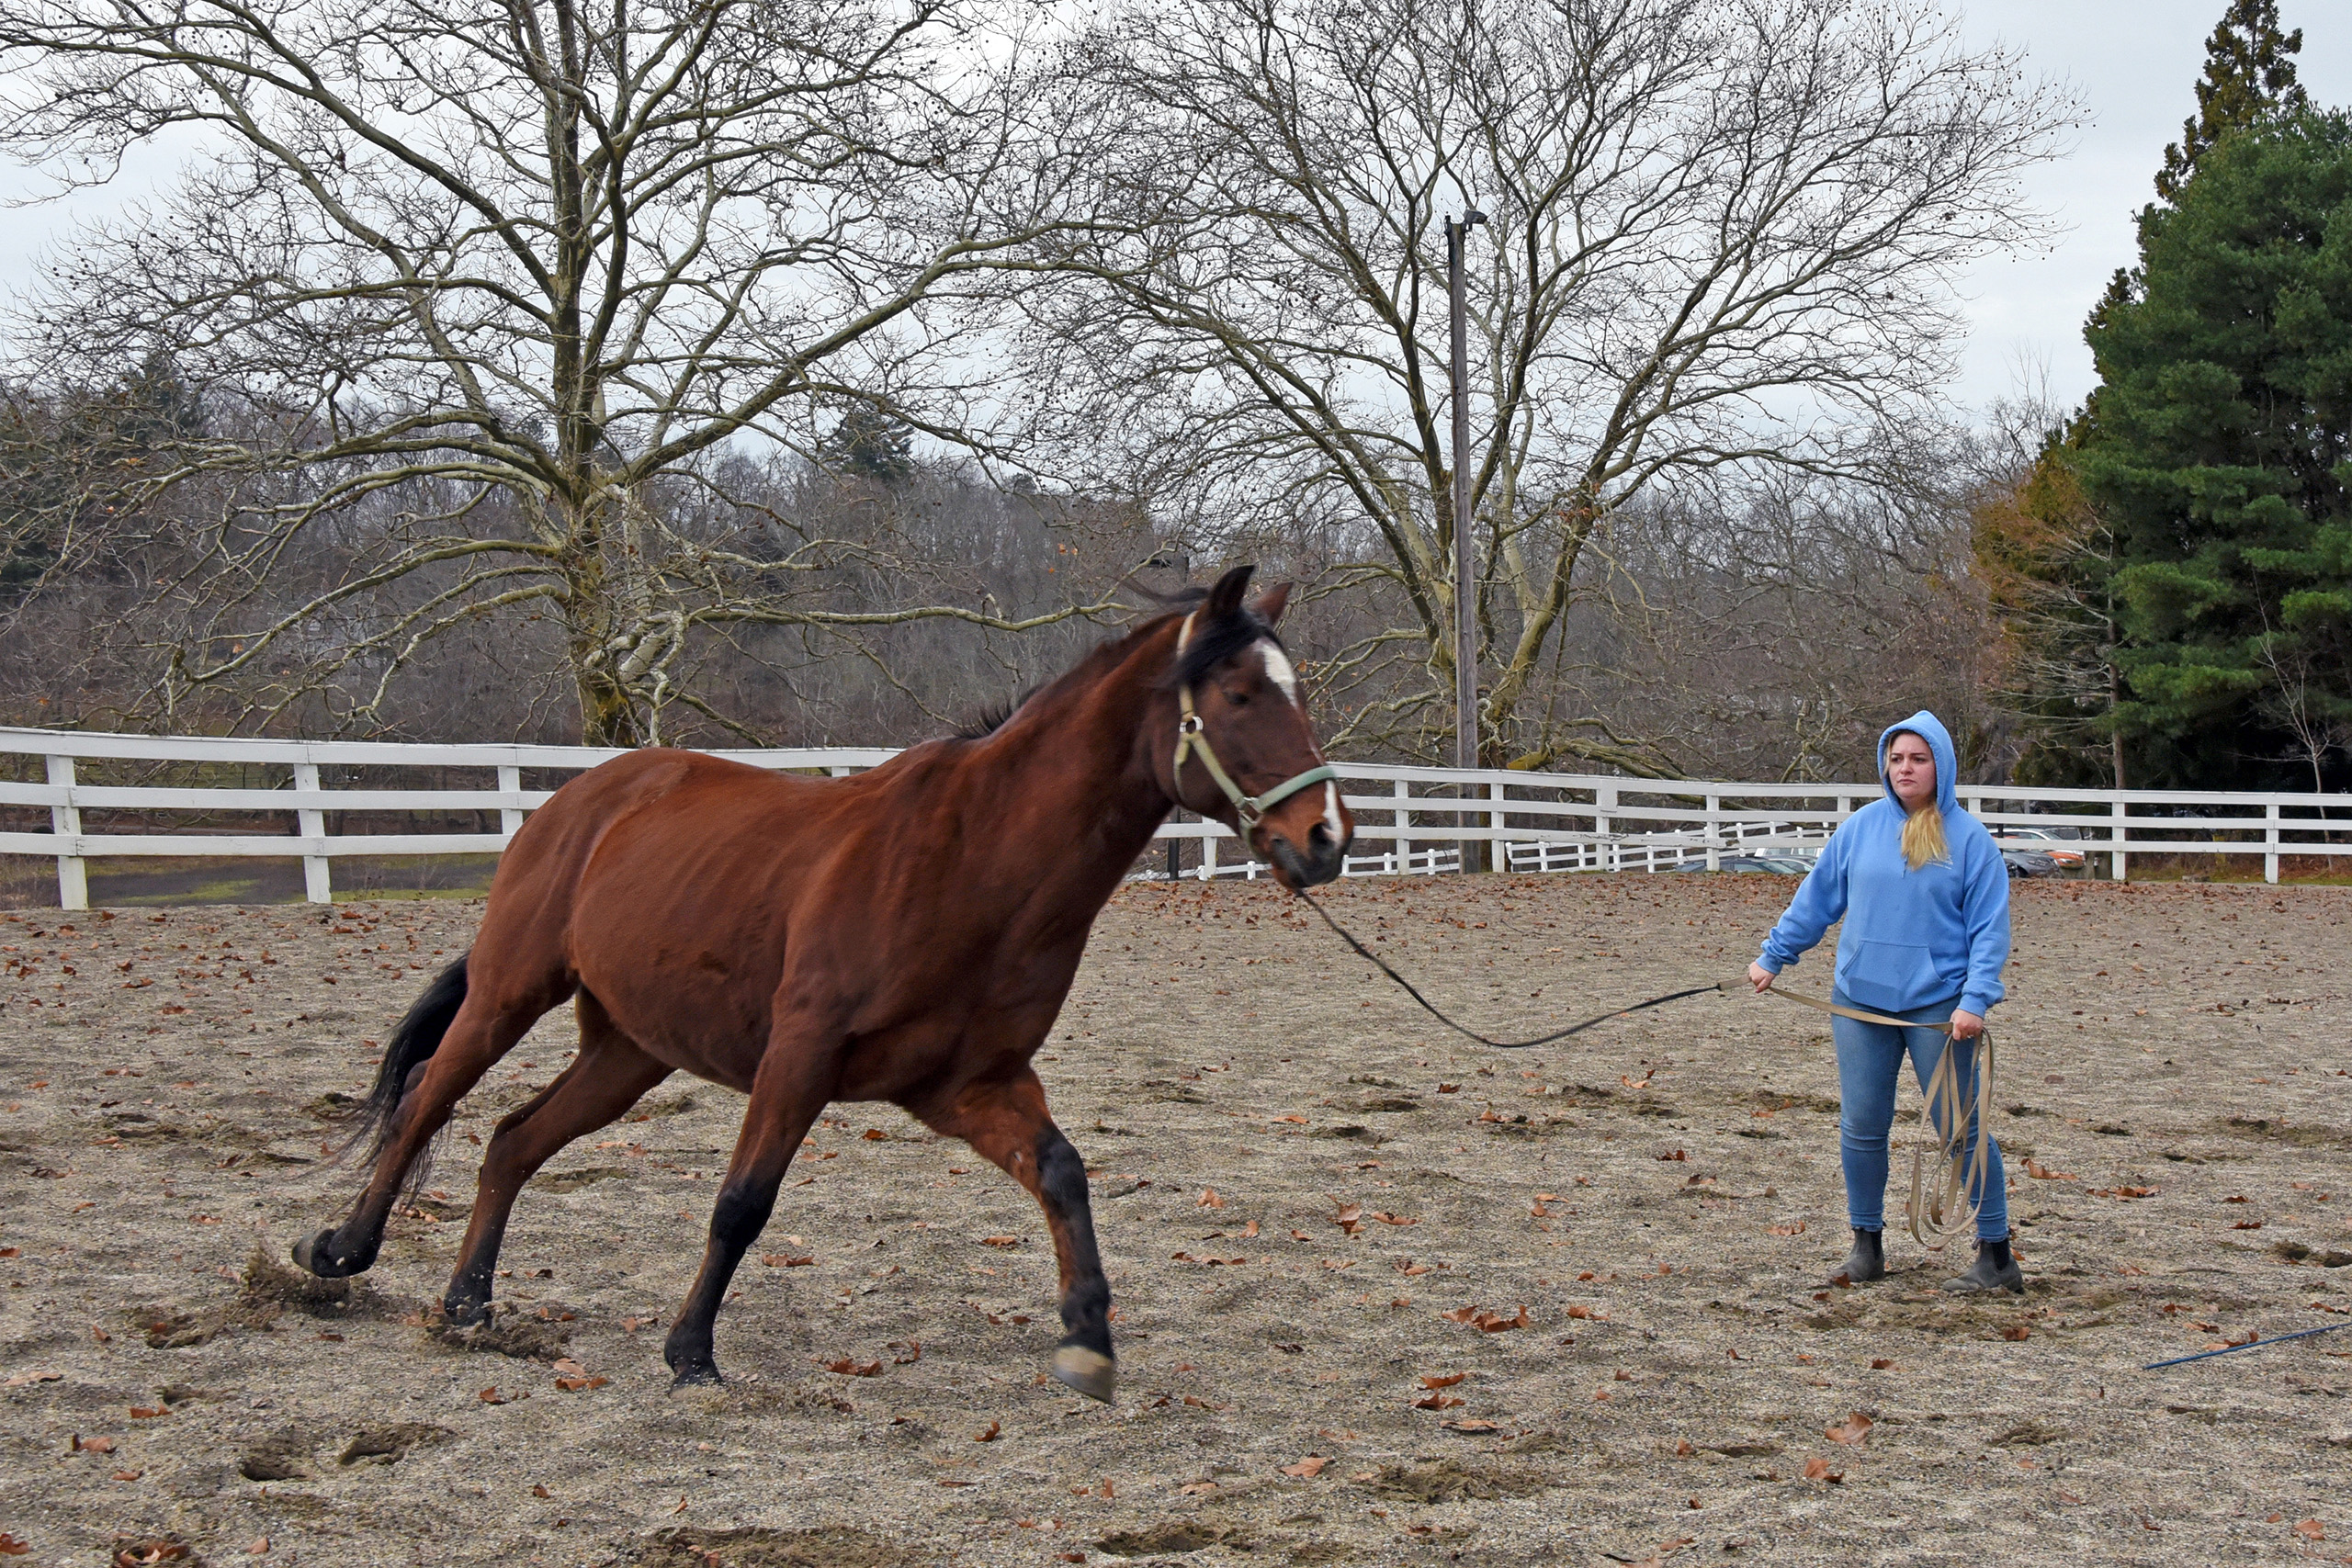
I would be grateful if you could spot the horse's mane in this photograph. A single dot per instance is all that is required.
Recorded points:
(1212, 645)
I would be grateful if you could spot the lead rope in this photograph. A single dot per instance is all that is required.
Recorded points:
(1940, 1206)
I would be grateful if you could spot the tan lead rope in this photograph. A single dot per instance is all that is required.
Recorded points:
(1940, 1207)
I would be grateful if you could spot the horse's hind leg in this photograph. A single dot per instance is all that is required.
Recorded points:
(486, 1028)
(603, 1081)
(1005, 1120)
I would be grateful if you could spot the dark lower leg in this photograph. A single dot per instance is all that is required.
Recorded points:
(736, 1221)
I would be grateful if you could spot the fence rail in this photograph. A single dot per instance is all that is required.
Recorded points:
(1421, 819)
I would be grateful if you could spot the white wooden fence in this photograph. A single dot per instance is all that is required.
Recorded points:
(1409, 820)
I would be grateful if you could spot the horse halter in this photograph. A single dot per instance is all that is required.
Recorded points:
(1192, 739)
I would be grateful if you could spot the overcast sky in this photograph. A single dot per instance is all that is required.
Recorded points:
(2132, 62)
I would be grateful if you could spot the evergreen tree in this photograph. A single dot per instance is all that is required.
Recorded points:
(870, 444)
(2218, 447)
(2248, 76)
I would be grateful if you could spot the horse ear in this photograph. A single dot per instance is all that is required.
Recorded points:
(1225, 599)
(1272, 603)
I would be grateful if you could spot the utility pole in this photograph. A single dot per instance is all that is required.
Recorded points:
(1466, 628)
(1465, 645)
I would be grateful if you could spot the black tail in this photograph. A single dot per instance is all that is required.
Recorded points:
(414, 1041)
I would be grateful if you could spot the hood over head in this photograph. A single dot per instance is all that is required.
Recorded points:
(1929, 728)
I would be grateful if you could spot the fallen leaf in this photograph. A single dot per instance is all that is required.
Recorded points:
(1683, 1449)
(999, 1241)
(2309, 1530)
(910, 1351)
(1199, 1489)
(1249, 1230)
(848, 1366)
(1209, 1199)
(148, 1411)
(1312, 1465)
(2040, 1172)
(1817, 1469)
(569, 1368)
(1438, 1402)
(259, 1547)
(1387, 1219)
(128, 1474)
(11, 1546)
(1797, 1229)
(491, 1396)
(1880, 1364)
(988, 1434)
(1431, 1380)
(2017, 1331)
(875, 1135)
(21, 1379)
(1677, 1153)
(540, 1490)
(773, 1261)
(574, 1385)
(681, 1507)
(1856, 1428)
(1349, 1217)
(1472, 1424)
(1588, 1314)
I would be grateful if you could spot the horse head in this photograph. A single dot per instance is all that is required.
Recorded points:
(1243, 751)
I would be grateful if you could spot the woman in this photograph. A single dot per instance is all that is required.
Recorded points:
(1924, 895)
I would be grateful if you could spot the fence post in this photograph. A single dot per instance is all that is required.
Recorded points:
(2270, 843)
(73, 871)
(317, 886)
(1208, 850)
(2115, 834)
(1604, 807)
(1404, 846)
(1498, 853)
(1714, 831)
(510, 818)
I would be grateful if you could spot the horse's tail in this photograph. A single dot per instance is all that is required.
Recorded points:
(414, 1041)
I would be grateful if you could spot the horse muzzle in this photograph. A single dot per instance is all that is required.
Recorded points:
(1321, 861)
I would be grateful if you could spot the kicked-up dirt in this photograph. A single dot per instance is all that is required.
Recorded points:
(1384, 1296)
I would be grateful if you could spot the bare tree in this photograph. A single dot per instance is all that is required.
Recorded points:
(481, 295)
(1723, 242)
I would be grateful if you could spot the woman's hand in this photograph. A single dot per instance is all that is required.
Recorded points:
(1966, 1026)
(1762, 978)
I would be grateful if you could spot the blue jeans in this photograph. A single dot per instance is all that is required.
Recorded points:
(1870, 1058)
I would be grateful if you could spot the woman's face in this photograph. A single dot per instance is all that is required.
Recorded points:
(1911, 770)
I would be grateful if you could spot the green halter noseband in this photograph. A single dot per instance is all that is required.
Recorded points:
(1192, 739)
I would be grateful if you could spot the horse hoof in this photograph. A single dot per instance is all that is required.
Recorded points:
(703, 1375)
(1090, 1372)
(465, 1313)
(312, 1256)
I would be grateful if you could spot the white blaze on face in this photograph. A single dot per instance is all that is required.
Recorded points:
(1331, 810)
(1278, 672)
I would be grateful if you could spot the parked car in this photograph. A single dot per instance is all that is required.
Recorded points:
(2031, 862)
(1776, 866)
(2056, 843)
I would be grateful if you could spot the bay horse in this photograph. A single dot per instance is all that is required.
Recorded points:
(906, 934)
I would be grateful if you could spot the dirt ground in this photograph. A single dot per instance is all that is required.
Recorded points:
(1574, 1315)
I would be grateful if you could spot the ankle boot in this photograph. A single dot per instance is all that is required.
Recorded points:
(1867, 1261)
(1996, 1269)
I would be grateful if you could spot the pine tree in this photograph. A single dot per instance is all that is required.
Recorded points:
(2248, 74)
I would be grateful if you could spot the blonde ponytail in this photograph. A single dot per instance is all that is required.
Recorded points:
(1923, 836)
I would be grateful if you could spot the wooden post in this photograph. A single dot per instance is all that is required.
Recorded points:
(2115, 834)
(510, 818)
(1497, 856)
(1604, 807)
(312, 824)
(1208, 850)
(2270, 840)
(1403, 823)
(1715, 830)
(65, 821)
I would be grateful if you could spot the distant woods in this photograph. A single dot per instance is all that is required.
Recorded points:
(716, 375)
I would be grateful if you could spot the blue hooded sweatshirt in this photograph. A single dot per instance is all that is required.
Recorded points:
(1913, 939)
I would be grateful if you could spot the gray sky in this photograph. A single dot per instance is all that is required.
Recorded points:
(2132, 62)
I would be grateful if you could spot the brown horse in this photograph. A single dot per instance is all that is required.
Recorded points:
(906, 934)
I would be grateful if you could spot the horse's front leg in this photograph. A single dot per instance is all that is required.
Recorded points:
(1005, 1120)
(795, 1082)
